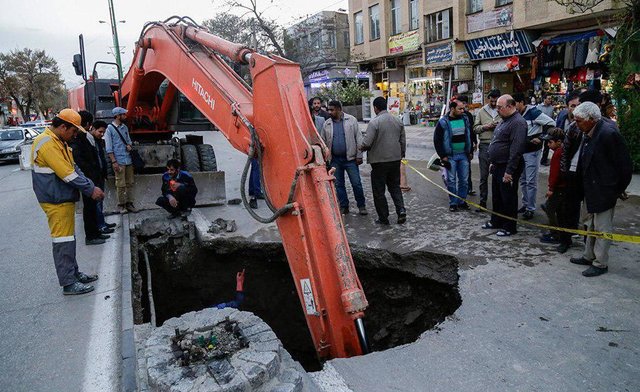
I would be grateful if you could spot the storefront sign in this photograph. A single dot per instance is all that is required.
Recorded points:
(501, 45)
(319, 76)
(500, 17)
(393, 105)
(439, 54)
(363, 75)
(493, 66)
(405, 42)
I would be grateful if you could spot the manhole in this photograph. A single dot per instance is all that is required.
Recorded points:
(407, 294)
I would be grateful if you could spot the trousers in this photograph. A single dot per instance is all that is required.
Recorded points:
(458, 178)
(386, 174)
(597, 249)
(90, 217)
(254, 179)
(529, 179)
(342, 165)
(185, 200)
(60, 218)
(557, 214)
(504, 197)
(124, 184)
(483, 159)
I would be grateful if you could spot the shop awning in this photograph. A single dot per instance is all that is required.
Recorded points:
(501, 45)
(573, 35)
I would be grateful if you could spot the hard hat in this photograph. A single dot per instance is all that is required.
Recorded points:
(72, 117)
(118, 110)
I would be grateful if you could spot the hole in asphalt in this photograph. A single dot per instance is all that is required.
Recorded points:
(187, 277)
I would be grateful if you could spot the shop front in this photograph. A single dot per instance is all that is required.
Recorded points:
(323, 78)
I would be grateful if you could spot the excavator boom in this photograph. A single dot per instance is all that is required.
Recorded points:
(270, 121)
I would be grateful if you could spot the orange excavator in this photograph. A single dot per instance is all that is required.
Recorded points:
(270, 121)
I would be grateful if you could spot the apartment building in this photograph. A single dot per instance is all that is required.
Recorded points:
(320, 44)
(423, 51)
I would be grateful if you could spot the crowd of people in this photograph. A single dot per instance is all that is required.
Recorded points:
(589, 170)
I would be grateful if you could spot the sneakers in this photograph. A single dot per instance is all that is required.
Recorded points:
(94, 241)
(580, 261)
(130, 207)
(77, 288)
(594, 271)
(363, 211)
(527, 215)
(548, 239)
(503, 233)
(253, 203)
(402, 218)
(84, 278)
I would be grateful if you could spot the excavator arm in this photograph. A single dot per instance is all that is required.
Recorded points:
(270, 121)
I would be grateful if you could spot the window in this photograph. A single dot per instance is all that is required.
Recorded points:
(331, 39)
(359, 30)
(475, 6)
(438, 25)
(345, 37)
(503, 2)
(314, 40)
(396, 17)
(413, 15)
(374, 22)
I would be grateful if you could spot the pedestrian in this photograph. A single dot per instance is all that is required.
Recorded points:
(452, 140)
(178, 190)
(97, 130)
(486, 121)
(386, 144)
(606, 168)
(315, 104)
(342, 136)
(86, 157)
(556, 194)
(547, 105)
(565, 117)
(537, 124)
(474, 139)
(118, 147)
(505, 153)
(56, 183)
(255, 189)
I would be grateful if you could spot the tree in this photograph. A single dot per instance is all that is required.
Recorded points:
(32, 79)
(347, 92)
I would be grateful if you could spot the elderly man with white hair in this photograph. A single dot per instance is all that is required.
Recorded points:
(605, 166)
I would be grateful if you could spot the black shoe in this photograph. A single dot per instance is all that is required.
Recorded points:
(402, 218)
(453, 208)
(107, 230)
(253, 203)
(104, 236)
(382, 222)
(488, 225)
(463, 206)
(484, 205)
(472, 193)
(527, 215)
(580, 261)
(130, 207)
(548, 239)
(94, 241)
(84, 278)
(594, 271)
(543, 207)
(111, 225)
(522, 210)
(563, 248)
(77, 288)
(344, 210)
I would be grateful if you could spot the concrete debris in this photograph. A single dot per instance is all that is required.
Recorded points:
(222, 225)
(234, 201)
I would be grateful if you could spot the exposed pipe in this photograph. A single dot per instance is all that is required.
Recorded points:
(152, 306)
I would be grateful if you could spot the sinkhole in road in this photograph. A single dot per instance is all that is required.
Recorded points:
(407, 294)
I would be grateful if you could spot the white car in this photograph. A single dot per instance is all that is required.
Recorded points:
(12, 139)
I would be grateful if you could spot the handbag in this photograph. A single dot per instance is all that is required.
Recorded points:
(136, 159)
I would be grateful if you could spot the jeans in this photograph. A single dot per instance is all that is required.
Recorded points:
(254, 179)
(386, 174)
(341, 165)
(483, 158)
(458, 178)
(504, 197)
(529, 179)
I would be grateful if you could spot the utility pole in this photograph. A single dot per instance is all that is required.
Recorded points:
(114, 33)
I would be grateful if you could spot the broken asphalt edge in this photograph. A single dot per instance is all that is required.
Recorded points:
(129, 382)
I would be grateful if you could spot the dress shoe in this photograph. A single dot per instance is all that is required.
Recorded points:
(594, 271)
(463, 206)
(580, 261)
(104, 236)
(344, 210)
(106, 230)
(547, 238)
(402, 218)
(522, 210)
(253, 203)
(363, 211)
(94, 241)
(130, 207)
(528, 215)
(453, 208)
(77, 288)
(84, 278)
(563, 248)
(111, 225)
(382, 222)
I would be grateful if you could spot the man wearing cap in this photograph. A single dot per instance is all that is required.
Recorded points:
(56, 182)
(118, 147)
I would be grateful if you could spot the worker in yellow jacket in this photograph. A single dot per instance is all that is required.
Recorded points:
(57, 182)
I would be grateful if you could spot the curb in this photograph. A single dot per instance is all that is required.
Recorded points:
(129, 382)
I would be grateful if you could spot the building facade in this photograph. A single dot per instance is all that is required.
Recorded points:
(320, 44)
(472, 46)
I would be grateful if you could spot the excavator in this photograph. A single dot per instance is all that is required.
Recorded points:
(268, 120)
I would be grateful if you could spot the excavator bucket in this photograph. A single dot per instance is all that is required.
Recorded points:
(146, 189)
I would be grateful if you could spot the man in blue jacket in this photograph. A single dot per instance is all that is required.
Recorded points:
(452, 140)
(178, 190)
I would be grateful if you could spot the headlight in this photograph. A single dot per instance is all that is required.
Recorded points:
(7, 151)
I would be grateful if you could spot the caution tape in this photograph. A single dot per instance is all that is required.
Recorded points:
(634, 239)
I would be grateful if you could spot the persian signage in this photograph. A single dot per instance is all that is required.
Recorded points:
(500, 17)
(439, 54)
(405, 42)
(501, 45)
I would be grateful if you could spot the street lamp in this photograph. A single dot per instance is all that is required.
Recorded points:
(114, 33)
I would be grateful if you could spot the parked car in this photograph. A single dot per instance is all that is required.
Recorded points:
(12, 139)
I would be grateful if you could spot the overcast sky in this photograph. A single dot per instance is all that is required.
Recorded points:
(54, 25)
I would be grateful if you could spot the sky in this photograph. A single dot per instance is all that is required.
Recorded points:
(54, 25)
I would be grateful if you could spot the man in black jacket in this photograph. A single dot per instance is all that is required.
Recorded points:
(85, 155)
(605, 165)
(178, 190)
(505, 154)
